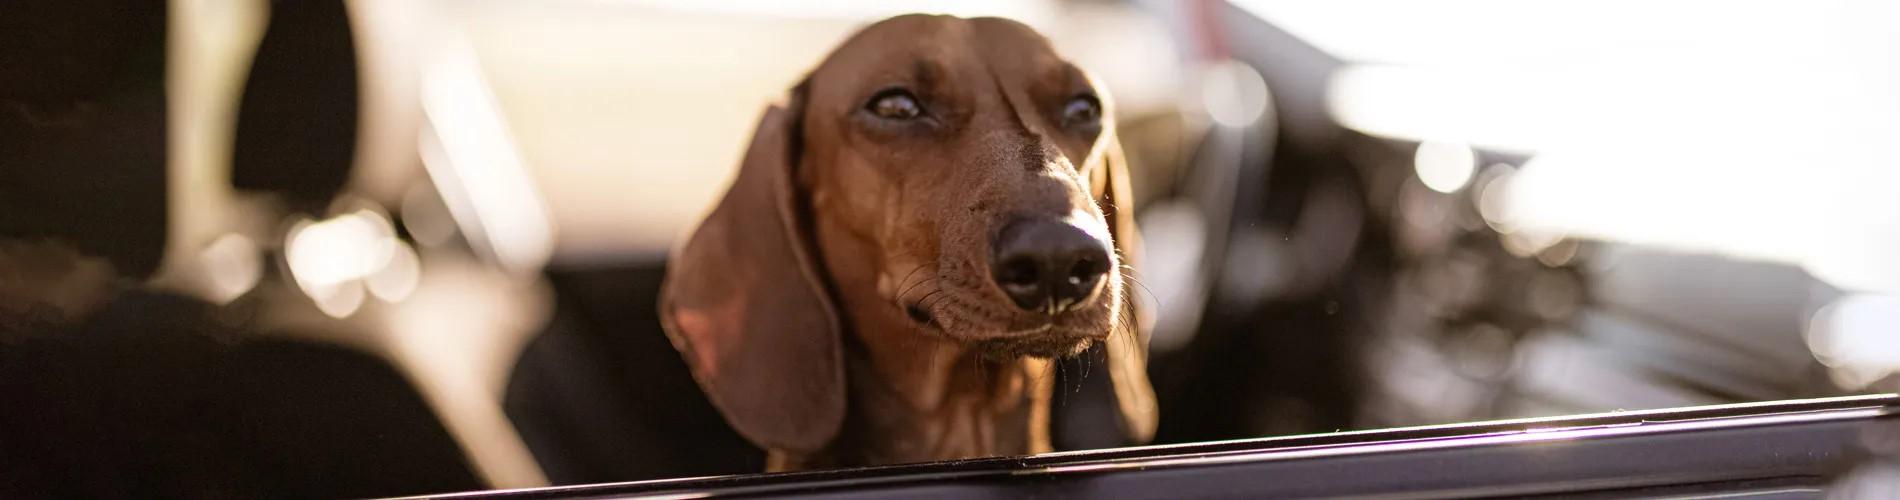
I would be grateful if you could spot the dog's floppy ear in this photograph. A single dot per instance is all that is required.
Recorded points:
(745, 304)
(1127, 350)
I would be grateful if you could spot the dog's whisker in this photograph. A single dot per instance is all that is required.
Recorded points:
(1131, 329)
(1062, 396)
(1080, 380)
(1086, 362)
(1129, 325)
(904, 293)
(920, 311)
(906, 279)
(900, 298)
(1128, 275)
(930, 282)
(904, 289)
(1126, 330)
(930, 300)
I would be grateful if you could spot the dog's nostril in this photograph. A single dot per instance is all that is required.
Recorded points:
(1018, 271)
(1084, 271)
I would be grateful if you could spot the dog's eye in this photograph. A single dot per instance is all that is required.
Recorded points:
(1082, 110)
(894, 104)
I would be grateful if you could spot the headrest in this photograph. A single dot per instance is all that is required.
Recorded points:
(297, 121)
(83, 129)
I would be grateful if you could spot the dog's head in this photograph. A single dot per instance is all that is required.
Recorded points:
(973, 175)
(962, 151)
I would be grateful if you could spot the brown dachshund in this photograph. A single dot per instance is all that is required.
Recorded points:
(941, 210)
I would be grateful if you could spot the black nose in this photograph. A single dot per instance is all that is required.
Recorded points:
(1048, 266)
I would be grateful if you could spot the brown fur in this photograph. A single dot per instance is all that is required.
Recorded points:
(837, 305)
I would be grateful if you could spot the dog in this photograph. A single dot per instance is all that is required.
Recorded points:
(939, 214)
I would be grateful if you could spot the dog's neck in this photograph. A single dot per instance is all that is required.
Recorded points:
(915, 396)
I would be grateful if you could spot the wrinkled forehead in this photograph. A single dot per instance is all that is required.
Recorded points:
(929, 49)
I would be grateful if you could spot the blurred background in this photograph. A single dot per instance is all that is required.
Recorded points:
(352, 248)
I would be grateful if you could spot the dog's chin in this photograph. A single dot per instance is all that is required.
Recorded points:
(1053, 343)
(1054, 340)
(994, 329)
(1049, 347)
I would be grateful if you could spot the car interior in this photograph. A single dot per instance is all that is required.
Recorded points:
(327, 249)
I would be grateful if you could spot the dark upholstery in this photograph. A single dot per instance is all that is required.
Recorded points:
(602, 396)
(151, 399)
